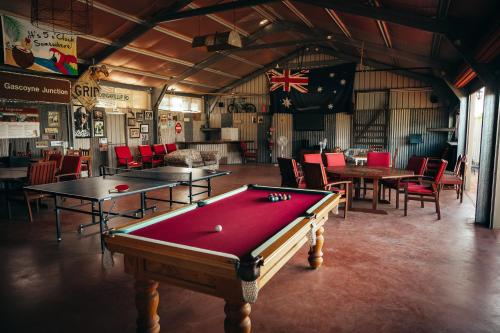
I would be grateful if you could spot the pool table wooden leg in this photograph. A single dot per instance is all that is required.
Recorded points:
(237, 317)
(315, 252)
(146, 302)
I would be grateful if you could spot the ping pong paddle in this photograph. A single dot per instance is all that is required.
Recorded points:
(119, 188)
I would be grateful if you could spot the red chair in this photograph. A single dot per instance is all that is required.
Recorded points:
(71, 168)
(147, 156)
(417, 164)
(315, 177)
(125, 158)
(378, 159)
(335, 159)
(247, 153)
(427, 189)
(160, 150)
(313, 158)
(171, 147)
(290, 175)
(456, 181)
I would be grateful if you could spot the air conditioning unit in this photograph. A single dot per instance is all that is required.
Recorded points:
(219, 41)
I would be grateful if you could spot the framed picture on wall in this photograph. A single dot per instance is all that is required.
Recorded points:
(144, 137)
(139, 115)
(131, 121)
(144, 128)
(98, 122)
(53, 119)
(81, 121)
(148, 115)
(134, 133)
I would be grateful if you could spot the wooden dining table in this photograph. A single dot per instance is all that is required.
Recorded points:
(352, 172)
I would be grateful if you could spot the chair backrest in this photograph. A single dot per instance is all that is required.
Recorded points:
(440, 171)
(71, 164)
(171, 147)
(73, 152)
(313, 158)
(395, 157)
(42, 173)
(123, 154)
(417, 164)
(289, 172)
(243, 146)
(315, 175)
(378, 159)
(146, 153)
(159, 149)
(56, 158)
(85, 152)
(335, 159)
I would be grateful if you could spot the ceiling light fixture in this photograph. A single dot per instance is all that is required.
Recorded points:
(264, 21)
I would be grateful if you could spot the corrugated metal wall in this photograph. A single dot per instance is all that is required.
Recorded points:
(408, 102)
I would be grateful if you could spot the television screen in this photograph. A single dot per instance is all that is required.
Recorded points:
(309, 122)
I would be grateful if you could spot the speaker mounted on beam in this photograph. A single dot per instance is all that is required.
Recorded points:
(219, 41)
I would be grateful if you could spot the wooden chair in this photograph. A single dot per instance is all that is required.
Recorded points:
(426, 189)
(71, 168)
(417, 164)
(456, 181)
(38, 173)
(86, 155)
(125, 158)
(248, 153)
(148, 157)
(313, 158)
(290, 175)
(315, 177)
(376, 159)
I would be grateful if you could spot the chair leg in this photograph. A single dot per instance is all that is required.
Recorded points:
(346, 203)
(461, 192)
(438, 209)
(422, 201)
(406, 203)
(9, 210)
(397, 198)
(30, 213)
(389, 193)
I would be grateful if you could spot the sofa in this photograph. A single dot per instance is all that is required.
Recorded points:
(192, 158)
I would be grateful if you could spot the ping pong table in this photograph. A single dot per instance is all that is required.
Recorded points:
(97, 190)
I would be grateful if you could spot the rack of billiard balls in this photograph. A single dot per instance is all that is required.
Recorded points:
(275, 197)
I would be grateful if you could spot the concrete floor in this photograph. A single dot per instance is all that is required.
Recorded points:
(380, 274)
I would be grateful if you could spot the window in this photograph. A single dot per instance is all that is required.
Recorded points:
(181, 104)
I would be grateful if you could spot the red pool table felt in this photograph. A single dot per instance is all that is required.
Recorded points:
(248, 219)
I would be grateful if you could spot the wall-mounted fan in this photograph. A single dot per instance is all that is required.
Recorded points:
(282, 142)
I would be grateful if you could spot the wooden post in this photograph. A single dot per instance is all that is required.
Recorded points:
(146, 302)
(315, 252)
(237, 317)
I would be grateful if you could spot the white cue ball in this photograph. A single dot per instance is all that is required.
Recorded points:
(218, 228)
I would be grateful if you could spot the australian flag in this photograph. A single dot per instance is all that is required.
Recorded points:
(321, 90)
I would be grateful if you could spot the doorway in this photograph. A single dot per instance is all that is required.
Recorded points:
(473, 151)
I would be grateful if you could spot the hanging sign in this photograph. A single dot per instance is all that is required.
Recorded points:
(29, 47)
(178, 128)
(87, 89)
(34, 88)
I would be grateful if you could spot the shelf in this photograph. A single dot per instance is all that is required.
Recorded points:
(441, 129)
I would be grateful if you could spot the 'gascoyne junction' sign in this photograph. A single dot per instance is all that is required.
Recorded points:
(34, 88)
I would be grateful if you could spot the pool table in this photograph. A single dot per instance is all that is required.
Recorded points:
(258, 237)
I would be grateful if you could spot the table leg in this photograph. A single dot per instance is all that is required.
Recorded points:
(375, 194)
(58, 218)
(315, 252)
(146, 303)
(209, 187)
(143, 204)
(237, 317)
(101, 224)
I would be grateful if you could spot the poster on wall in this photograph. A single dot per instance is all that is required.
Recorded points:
(98, 121)
(27, 46)
(81, 122)
(19, 123)
(53, 119)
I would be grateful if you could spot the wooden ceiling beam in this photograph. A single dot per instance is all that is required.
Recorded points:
(385, 14)
(211, 9)
(298, 13)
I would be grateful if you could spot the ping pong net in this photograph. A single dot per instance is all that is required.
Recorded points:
(158, 174)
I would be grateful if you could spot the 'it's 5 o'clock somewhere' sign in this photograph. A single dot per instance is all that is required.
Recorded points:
(27, 46)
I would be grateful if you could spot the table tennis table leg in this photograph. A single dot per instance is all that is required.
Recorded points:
(190, 192)
(170, 190)
(58, 219)
(209, 187)
(143, 204)
(101, 225)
